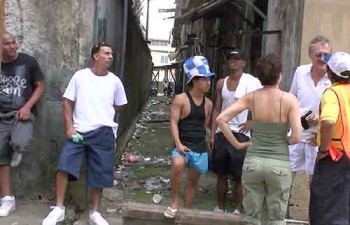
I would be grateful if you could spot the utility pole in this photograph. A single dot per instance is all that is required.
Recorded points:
(2, 25)
(147, 20)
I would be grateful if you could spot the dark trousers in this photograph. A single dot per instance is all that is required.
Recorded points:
(330, 192)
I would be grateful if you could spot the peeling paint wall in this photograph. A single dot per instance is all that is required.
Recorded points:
(60, 35)
(335, 18)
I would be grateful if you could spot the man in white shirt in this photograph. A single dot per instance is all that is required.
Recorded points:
(91, 100)
(227, 160)
(309, 83)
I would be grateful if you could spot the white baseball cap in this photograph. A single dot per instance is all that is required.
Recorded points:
(339, 62)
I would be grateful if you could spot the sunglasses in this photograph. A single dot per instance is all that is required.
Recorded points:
(98, 46)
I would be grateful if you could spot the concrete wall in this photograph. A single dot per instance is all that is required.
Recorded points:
(328, 18)
(60, 35)
(138, 71)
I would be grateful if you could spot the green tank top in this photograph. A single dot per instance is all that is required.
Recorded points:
(269, 139)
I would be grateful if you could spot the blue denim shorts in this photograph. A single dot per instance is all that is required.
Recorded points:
(98, 147)
(198, 161)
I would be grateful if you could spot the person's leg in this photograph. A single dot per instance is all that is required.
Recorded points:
(100, 163)
(221, 161)
(5, 180)
(178, 164)
(278, 182)
(5, 157)
(236, 164)
(254, 190)
(310, 160)
(61, 186)
(191, 187)
(329, 192)
(297, 158)
(21, 136)
(96, 196)
(221, 190)
(238, 195)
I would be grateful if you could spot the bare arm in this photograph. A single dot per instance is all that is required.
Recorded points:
(68, 117)
(232, 111)
(209, 108)
(216, 105)
(118, 108)
(175, 112)
(24, 112)
(216, 111)
(294, 120)
(326, 131)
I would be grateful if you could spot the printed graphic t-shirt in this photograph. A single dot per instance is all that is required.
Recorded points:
(17, 80)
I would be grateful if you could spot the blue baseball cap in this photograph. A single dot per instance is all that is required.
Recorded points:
(197, 66)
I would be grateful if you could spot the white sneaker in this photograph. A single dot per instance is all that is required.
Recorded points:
(8, 205)
(218, 210)
(16, 159)
(95, 218)
(236, 212)
(55, 216)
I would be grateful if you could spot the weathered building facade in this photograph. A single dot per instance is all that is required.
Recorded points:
(60, 35)
(255, 27)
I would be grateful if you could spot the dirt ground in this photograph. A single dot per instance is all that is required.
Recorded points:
(152, 143)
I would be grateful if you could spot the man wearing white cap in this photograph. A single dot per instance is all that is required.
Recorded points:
(330, 186)
(228, 159)
(189, 117)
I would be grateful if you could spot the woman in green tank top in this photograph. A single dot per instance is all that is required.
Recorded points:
(266, 174)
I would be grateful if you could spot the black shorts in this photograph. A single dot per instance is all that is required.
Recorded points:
(227, 160)
(330, 192)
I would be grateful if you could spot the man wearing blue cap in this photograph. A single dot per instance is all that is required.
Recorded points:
(189, 117)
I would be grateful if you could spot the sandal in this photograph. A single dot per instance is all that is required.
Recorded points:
(170, 213)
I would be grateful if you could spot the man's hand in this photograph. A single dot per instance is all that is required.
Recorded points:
(321, 155)
(70, 132)
(243, 145)
(23, 113)
(312, 120)
(312, 140)
(183, 149)
(245, 127)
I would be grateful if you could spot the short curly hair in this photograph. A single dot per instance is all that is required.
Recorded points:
(268, 69)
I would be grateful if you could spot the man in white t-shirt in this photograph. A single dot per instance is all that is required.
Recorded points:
(227, 160)
(309, 83)
(91, 100)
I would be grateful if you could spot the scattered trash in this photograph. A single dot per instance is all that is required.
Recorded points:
(157, 183)
(157, 198)
(133, 158)
(111, 210)
(120, 175)
(146, 159)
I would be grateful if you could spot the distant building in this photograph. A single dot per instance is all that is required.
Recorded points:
(260, 27)
(160, 50)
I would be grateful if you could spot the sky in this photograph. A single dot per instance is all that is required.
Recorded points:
(158, 27)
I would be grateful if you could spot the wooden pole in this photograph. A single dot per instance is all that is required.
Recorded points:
(2, 25)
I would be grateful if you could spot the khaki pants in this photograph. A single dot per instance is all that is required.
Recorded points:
(266, 187)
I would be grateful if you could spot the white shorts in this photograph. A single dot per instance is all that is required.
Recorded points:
(303, 157)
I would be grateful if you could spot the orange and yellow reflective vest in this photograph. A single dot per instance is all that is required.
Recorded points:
(340, 145)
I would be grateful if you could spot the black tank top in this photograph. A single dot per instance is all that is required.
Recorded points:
(192, 130)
